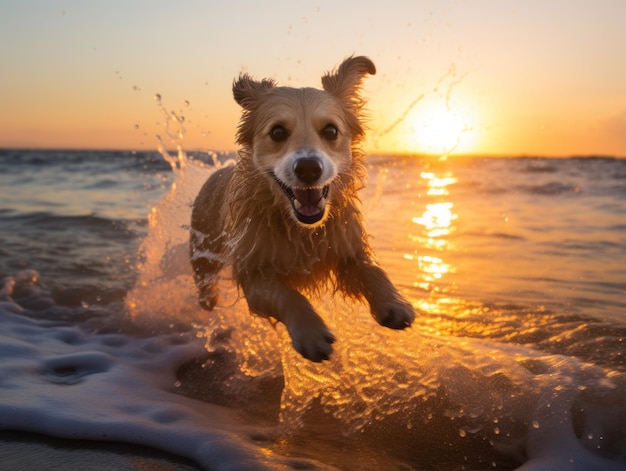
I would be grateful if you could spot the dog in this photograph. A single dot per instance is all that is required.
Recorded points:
(286, 216)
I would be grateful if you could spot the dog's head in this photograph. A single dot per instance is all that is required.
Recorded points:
(302, 139)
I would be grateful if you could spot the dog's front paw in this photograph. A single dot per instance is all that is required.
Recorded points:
(311, 338)
(207, 303)
(395, 314)
(208, 297)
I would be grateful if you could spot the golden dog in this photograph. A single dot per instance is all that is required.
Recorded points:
(286, 215)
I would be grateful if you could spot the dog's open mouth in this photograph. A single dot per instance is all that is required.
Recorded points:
(309, 204)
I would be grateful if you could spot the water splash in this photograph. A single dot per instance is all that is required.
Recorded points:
(165, 296)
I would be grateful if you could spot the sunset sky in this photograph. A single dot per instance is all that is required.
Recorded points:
(531, 77)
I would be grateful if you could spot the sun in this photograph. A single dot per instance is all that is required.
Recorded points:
(434, 123)
(442, 129)
(441, 132)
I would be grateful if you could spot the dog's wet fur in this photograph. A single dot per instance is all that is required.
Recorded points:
(286, 216)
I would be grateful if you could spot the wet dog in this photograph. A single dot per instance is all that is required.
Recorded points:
(286, 215)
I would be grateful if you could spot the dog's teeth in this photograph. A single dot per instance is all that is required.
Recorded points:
(297, 204)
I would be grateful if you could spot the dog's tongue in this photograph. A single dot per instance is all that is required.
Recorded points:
(309, 202)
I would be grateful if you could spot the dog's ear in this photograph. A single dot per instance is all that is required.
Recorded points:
(345, 81)
(247, 91)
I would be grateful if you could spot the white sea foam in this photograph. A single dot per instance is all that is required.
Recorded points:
(60, 380)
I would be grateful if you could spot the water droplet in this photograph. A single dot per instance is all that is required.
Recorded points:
(535, 424)
(462, 433)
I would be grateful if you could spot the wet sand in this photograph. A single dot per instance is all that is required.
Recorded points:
(28, 452)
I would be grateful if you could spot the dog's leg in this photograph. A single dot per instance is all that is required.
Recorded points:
(309, 335)
(205, 238)
(205, 273)
(387, 305)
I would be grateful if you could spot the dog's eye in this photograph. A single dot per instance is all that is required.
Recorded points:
(330, 132)
(279, 134)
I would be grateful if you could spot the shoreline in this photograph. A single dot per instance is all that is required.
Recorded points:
(26, 451)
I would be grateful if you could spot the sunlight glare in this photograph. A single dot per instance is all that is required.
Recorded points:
(445, 131)
(441, 127)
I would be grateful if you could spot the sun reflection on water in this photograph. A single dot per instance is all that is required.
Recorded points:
(438, 186)
(437, 220)
(435, 224)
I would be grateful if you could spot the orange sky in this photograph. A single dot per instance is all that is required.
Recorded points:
(489, 77)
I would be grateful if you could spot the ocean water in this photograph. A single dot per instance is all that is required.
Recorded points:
(515, 361)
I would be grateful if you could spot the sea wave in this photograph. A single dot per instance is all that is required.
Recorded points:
(81, 160)
(87, 253)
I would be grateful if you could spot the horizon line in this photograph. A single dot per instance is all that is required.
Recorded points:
(520, 155)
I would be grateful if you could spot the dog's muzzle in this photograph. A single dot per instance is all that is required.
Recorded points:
(308, 201)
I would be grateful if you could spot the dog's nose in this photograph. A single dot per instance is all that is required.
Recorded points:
(308, 169)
